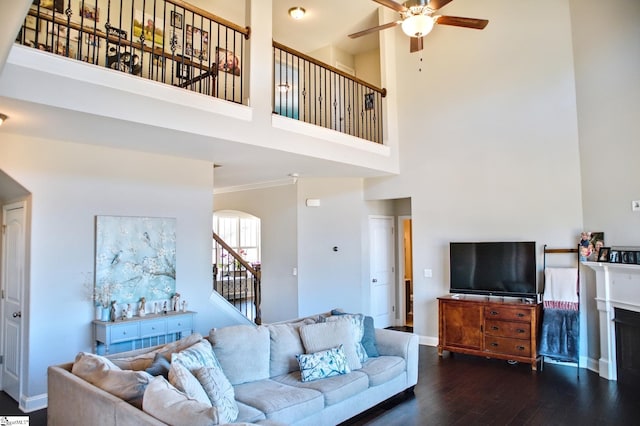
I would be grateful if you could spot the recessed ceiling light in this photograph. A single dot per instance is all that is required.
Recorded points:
(297, 12)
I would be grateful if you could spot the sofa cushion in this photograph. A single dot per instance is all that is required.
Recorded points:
(160, 366)
(287, 404)
(128, 385)
(323, 364)
(285, 345)
(326, 335)
(243, 352)
(195, 356)
(358, 325)
(369, 334)
(248, 414)
(171, 406)
(144, 360)
(187, 382)
(384, 368)
(219, 391)
(334, 389)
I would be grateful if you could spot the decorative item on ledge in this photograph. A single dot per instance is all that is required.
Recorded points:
(590, 244)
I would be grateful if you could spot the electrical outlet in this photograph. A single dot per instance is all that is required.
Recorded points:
(635, 206)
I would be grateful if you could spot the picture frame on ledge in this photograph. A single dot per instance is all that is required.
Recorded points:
(614, 256)
(603, 254)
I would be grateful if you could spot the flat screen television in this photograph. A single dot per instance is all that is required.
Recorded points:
(493, 268)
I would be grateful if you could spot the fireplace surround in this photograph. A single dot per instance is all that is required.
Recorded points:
(617, 288)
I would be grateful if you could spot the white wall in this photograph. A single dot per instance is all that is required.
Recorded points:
(489, 143)
(276, 208)
(71, 184)
(607, 64)
(328, 279)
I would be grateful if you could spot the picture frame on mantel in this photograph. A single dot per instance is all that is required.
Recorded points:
(603, 254)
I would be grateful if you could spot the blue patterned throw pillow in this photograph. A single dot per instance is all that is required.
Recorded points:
(323, 364)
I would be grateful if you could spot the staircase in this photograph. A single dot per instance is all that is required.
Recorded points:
(236, 280)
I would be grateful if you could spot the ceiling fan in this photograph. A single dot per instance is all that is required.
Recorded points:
(418, 20)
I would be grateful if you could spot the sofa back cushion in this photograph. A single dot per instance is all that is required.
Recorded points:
(242, 351)
(285, 345)
(327, 335)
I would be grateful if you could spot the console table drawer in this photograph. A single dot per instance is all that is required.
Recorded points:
(506, 346)
(153, 328)
(140, 332)
(506, 313)
(124, 332)
(180, 323)
(518, 330)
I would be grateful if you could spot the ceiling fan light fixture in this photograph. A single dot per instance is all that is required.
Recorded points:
(297, 12)
(417, 25)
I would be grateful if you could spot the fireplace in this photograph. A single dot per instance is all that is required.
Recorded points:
(618, 299)
(627, 325)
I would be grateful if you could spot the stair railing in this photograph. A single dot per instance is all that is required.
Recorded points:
(238, 281)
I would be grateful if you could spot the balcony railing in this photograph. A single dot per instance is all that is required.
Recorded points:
(176, 43)
(169, 41)
(306, 89)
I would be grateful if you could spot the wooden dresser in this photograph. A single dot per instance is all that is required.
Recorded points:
(489, 327)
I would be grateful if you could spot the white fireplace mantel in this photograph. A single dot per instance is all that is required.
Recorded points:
(617, 286)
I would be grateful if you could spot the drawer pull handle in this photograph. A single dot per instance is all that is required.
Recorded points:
(521, 331)
(522, 348)
(494, 344)
(494, 312)
(495, 328)
(124, 333)
(179, 324)
(519, 314)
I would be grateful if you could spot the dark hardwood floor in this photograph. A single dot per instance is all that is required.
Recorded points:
(467, 390)
(9, 407)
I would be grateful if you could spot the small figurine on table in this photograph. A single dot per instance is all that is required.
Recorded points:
(112, 312)
(175, 302)
(143, 309)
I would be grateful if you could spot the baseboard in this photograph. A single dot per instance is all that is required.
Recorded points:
(33, 403)
(428, 340)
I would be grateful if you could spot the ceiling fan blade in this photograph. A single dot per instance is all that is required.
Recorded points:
(416, 44)
(392, 5)
(374, 29)
(437, 4)
(457, 21)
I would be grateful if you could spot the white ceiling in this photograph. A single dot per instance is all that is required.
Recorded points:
(329, 21)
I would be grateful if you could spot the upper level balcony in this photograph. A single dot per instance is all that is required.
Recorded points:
(202, 80)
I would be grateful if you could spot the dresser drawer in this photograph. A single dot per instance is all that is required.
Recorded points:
(153, 328)
(506, 346)
(179, 324)
(124, 332)
(518, 330)
(508, 313)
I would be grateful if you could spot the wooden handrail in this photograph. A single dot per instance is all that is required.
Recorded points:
(284, 48)
(246, 31)
(236, 256)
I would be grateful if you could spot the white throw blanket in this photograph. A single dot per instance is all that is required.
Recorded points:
(561, 288)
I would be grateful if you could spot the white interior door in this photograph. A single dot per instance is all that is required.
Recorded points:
(13, 266)
(381, 262)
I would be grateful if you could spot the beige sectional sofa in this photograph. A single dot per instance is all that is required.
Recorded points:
(261, 365)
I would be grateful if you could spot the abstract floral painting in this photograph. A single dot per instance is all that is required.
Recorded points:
(136, 257)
